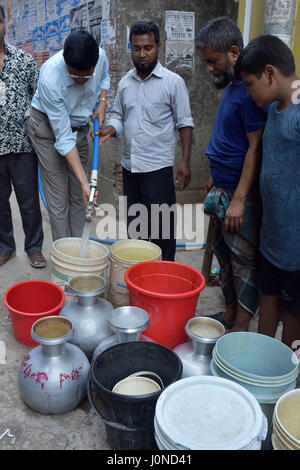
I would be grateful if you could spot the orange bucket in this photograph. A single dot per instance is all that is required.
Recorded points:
(168, 292)
(27, 302)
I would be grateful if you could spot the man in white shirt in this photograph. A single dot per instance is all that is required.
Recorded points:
(151, 105)
(70, 84)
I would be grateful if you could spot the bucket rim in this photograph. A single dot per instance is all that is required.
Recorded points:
(259, 418)
(135, 398)
(159, 295)
(66, 258)
(260, 397)
(252, 379)
(33, 314)
(255, 335)
(133, 241)
(284, 435)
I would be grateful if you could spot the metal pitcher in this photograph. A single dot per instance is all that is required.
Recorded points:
(88, 312)
(196, 354)
(53, 376)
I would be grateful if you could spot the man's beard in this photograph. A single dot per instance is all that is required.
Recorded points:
(145, 68)
(222, 81)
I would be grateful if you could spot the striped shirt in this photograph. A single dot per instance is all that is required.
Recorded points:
(148, 114)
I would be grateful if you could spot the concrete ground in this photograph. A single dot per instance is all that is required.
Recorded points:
(80, 429)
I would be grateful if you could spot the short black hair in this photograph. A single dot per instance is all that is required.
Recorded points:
(2, 10)
(220, 34)
(266, 50)
(145, 27)
(81, 50)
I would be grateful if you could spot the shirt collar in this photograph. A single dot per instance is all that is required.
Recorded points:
(157, 71)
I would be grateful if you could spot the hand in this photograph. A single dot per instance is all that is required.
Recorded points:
(99, 113)
(183, 174)
(234, 215)
(106, 133)
(85, 189)
(209, 185)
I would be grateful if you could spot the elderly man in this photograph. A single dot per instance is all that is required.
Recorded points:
(234, 154)
(18, 163)
(71, 83)
(151, 105)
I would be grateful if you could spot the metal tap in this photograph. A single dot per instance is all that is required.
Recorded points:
(90, 209)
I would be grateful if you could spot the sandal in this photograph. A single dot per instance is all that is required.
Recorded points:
(6, 256)
(219, 317)
(37, 260)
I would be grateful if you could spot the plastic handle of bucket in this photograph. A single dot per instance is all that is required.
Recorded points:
(113, 424)
(145, 373)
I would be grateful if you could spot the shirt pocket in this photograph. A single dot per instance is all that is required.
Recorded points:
(155, 114)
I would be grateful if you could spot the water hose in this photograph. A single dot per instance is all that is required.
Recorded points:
(94, 175)
(93, 185)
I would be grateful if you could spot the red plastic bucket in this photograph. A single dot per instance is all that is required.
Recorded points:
(27, 302)
(169, 293)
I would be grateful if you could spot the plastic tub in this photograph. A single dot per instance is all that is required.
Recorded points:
(169, 292)
(27, 302)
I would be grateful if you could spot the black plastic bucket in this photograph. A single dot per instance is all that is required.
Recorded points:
(129, 420)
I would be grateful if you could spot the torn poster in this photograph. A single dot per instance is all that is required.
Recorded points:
(180, 25)
(179, 54)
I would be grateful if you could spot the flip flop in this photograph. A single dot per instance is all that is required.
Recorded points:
(4, 257)
(219, 317)
(37, 260)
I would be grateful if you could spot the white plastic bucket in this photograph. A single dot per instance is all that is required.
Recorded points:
(208, 413)
(123, 254)
(67, 263)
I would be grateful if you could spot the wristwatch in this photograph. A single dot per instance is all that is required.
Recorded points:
(102, 99)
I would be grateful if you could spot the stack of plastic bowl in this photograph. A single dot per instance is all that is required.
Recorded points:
(286, 422)
(263, 365)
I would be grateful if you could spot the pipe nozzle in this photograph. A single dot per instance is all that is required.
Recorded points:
(90, 211)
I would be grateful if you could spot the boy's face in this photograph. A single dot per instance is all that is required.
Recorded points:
(261, 90)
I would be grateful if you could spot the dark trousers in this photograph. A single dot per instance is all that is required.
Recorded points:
(152, 189)
(21, 171)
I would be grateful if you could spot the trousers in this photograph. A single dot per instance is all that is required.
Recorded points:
(60, 186)
(151, 190)
(20, 171)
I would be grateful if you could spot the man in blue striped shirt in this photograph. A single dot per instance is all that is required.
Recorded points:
(151, 105)
(70, 84)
